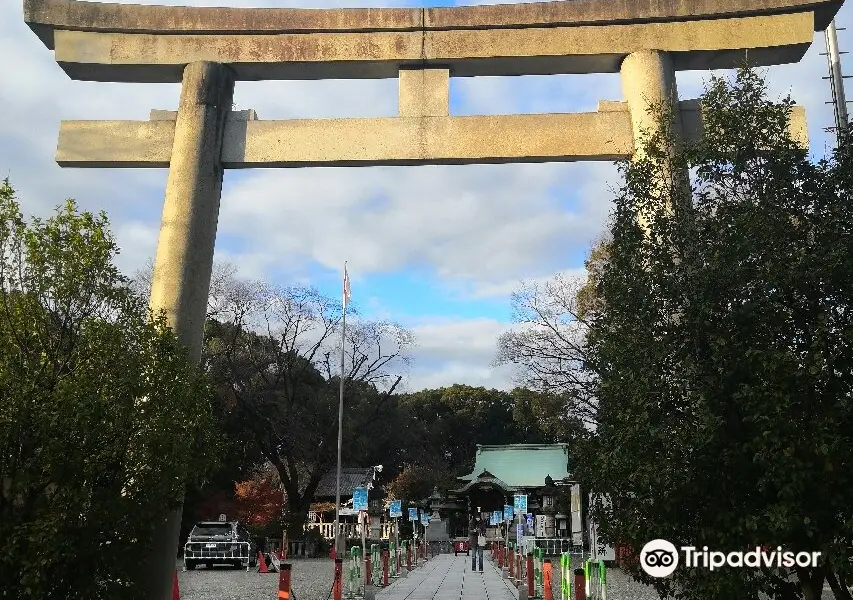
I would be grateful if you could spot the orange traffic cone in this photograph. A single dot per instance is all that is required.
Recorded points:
(176, 592)
(262, 564)
(284, 582)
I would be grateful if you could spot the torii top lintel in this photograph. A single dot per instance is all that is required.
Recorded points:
(151, 43)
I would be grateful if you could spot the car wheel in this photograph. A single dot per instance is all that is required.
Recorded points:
(189, 565)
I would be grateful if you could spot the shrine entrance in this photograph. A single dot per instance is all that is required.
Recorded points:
(208, 50)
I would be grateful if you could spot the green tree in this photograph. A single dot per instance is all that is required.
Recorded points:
(439, 429)
(721, 352)
(445, 425)
(417, 482)
(102, 416)
(587, 301)
(273, 355)
(544, 417)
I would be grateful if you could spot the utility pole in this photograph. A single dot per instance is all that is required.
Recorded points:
(836, 78)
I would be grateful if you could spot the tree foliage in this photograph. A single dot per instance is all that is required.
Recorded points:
(721, 351)
(273, 353)
(102, 416)
(438, 431)
(259, 498)
(416, 482)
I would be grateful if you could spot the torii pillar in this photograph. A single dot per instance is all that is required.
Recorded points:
(182, 268)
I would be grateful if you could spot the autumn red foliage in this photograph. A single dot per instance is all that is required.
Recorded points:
(258, 500)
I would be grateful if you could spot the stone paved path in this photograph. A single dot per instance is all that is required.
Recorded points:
(448, 577)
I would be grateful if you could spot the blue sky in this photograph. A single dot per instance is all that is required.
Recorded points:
(438, 249)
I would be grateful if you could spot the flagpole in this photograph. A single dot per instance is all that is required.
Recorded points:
(340, 550)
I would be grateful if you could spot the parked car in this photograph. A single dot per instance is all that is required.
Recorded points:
(461, 546)
(219, 543)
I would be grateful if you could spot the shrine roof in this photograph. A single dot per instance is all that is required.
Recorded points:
(521, 465)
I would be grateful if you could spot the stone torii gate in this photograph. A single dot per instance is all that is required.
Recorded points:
(208, 49)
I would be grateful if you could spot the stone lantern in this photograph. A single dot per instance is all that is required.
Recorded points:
(549, 506)
(434, 502)
(437, 530)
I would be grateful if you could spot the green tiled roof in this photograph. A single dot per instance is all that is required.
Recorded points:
(522, 465)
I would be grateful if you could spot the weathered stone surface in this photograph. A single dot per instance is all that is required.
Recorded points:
(424, 93)
(184, 260)
(46, 15)
(648, 80)
(361, 142)
(249, 143)
(234, 115)
(711, 44)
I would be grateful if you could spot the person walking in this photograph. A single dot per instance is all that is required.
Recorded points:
(476, 541)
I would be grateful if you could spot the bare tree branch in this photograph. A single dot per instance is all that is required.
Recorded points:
(548, 346)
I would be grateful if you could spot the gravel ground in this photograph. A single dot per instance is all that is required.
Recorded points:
(312, 580)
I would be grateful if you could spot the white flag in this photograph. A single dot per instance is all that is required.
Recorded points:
(346, 285)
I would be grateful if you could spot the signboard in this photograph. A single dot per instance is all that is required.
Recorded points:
(359, 499)
(413, 514)
(575, 523)
(519, 532)
(529, 522)
(541, 524)
(597, 548)
(425, 519)
(520, 504)
(396, 509)
(221, 518)
(507, 513)
(496, 518)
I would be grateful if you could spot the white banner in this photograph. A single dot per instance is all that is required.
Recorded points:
(540, 526)
(576, 524)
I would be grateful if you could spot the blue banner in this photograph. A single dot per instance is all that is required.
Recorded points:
(425, 519)
(413, 514)
(507, 513)
(496, 518)
(521, 504)
(396, 509)
(359, 499)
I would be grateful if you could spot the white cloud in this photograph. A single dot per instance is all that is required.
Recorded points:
(482, 229)
(486, 225)
(138, 242)
(506, 288)
(457, 351)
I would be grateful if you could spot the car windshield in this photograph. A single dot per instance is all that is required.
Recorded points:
(212, 529)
